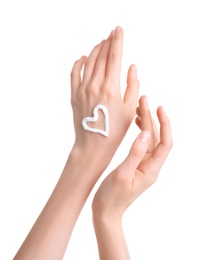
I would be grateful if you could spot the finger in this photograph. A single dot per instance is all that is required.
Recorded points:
(138, 112)
(90, 63)
(76, 74)
(101, 63)
(132, 90)
(146, 120)
(166, 142)
(156, 133)
(162, 150)
(115, 55)
(137, 151)
(138, 122)
(145, 114)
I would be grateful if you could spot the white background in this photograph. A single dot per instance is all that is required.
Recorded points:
(173, 44)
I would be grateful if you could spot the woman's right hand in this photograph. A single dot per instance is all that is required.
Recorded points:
(139, 170)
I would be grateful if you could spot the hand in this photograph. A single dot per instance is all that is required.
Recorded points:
(100, 84)
(139, 170)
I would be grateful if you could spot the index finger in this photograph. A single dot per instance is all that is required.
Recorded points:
(115, 55)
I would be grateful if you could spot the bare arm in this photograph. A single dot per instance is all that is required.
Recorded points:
(92, 152)
(132, 177)
(50, 234)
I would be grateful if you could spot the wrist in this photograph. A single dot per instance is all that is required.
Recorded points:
(90, 160)
(106, 217)
(105, 223)
(110, 236)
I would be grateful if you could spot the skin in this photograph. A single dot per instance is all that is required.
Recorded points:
(91, 153)
(129, 180)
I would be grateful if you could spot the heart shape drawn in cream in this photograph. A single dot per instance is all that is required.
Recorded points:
(95, 117)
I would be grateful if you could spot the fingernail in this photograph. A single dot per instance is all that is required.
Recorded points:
(118, 29)
(144, 137)
(111, 34)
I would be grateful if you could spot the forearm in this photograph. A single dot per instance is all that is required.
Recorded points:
(50, 234)
(110, 239)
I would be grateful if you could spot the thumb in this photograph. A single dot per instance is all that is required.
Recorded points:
(137, 151)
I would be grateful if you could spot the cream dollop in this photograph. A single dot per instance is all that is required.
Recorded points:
(95, 117)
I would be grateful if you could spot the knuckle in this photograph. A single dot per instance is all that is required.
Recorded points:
(110, 87)
(91, 89)
(151, 177)
(87, 90)
(110, 94)
(114, 55)
(137, 153)
(88, 62)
